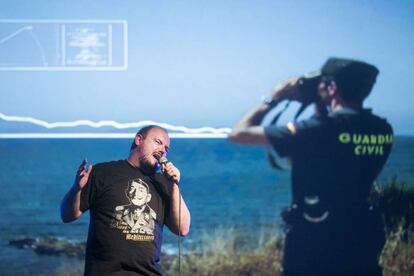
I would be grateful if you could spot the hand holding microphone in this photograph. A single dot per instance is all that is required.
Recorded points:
(169, 170)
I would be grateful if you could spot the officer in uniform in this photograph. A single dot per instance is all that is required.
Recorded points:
(335, 156)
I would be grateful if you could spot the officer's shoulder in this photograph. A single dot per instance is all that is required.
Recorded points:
(377, 120)
(310, 123)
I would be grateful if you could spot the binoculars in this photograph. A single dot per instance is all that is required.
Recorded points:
(308, 87)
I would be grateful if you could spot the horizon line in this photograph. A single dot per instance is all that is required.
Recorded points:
(115, 135)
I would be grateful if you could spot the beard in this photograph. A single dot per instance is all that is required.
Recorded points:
(147, 166)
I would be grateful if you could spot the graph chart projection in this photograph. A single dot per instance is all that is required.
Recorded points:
(63, 45)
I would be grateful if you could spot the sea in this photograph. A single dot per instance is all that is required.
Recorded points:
(224, 185)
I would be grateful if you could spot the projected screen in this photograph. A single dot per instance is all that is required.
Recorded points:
(59, 45)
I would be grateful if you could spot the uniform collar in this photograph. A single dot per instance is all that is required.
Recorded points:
(345, 110)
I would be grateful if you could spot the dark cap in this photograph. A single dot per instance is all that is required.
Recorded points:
(349, 70)
(354, 78)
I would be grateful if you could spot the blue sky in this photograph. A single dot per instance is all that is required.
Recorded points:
(205, 63)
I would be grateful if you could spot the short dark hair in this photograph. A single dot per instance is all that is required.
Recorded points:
(144, 131)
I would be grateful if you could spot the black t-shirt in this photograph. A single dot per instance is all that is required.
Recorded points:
(127, 212)
(334, 158)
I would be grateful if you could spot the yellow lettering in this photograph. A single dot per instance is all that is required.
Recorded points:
(380, 150)
(344, 137)
(371, 150)
(356, 138)
(357, 150)
(365, 139)
(366, 144)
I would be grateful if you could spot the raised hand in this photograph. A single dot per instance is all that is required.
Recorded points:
(82, 175)
(288, 90)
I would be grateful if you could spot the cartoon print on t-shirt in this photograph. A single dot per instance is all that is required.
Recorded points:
(136, 219)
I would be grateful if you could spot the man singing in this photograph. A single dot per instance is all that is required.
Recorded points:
(129, 204)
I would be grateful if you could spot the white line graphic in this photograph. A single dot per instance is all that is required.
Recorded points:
(101, 135)
(25, 28)
(33, 37)
(178, 131)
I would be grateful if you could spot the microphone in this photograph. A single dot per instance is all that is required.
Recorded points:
(163, 160)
